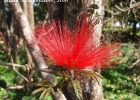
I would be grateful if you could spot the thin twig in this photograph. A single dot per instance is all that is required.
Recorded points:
(106, 21)
(11, 59)
(21, 75)
(131, 7)
(10, 65)
(109, 11)
(15, 87)
(33, 68)
(133, 64)
(123, 10)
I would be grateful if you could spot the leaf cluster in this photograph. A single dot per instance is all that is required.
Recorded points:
(122, 82)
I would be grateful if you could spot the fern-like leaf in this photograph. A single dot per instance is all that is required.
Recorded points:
(44, 83)
(45, 93)
(42, 94)
(48, 92)
(38, 90)
(77, 89)
(89, 75)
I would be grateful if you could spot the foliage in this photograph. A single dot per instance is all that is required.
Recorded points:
(73, 50)
(119, 83)
(77, 88)
(45, 87)
(123, 83)
(39, 12)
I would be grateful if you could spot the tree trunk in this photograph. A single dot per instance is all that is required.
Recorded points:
(4, 29)
(71, 9)
(27, 33)
(35, 51)
(97, 92)
(29, 12)
(56, 10)
(93, 91)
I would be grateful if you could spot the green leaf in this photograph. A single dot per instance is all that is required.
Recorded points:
(38, 90)
(45, 93)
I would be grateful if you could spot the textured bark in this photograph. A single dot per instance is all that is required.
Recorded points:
(92, 91)
(35, 51)
(15, 44)
(27, 33)
(2, 17)
(72, 9)
(29, 12)
(96, 90)
(56, 10)
(4, 29)
(67, 12)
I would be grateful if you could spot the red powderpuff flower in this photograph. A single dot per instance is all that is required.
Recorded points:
(76, 48)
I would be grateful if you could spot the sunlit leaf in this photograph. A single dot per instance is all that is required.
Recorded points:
(45, 93)
(38, 90)
(77, 89)
(42, 94)
(48, 92)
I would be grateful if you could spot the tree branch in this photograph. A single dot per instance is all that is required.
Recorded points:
(123, 10)
(27, 34)
(35, 51)
(131, 7)
(10, 64)
(133, 64)
(15, 87)
(109, 11)
(33, 68)
(106, 21)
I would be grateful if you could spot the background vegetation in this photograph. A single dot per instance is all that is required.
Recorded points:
(119, 83)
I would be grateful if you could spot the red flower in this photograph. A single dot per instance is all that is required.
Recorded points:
(76, 48)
